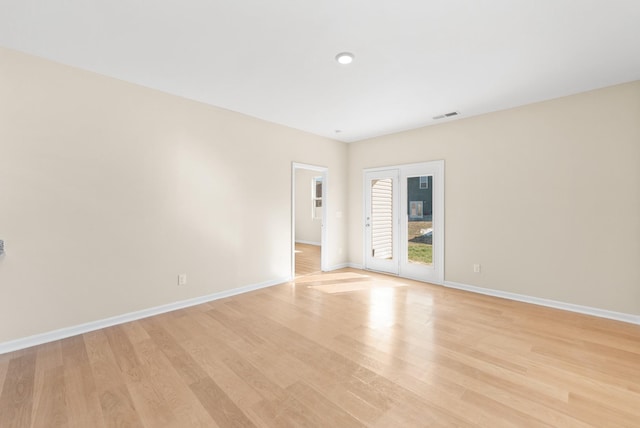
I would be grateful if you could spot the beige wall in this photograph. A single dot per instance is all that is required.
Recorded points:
(307, 228)
(545, 197)
(109, 190)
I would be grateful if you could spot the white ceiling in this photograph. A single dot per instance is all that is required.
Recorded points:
(414, 59)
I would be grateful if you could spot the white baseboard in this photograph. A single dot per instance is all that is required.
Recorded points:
(338, 266)
(345, 265)
(308, 242)
(602, 313)
(39, 339)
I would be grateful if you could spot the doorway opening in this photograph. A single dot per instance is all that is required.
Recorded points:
(309, 218)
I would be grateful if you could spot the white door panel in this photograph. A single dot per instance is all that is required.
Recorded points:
(381, 221)
(422, 221)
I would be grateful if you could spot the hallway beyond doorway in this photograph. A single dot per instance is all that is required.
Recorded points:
(307, 259)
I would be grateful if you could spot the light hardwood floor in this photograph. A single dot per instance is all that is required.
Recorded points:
(307, 259)
(342, 349)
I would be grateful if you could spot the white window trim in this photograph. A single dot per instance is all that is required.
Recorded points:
(315, 198)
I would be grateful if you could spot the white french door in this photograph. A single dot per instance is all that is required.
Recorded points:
(381, 221)
(404, 221)
(422, 221)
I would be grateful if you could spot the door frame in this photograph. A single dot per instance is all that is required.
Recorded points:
(324, 172)
(438, 168)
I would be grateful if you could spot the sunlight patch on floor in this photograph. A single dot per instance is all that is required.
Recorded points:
(382, 308)
(323, 277)
(354, 286)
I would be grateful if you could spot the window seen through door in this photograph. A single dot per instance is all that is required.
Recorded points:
(316, 198)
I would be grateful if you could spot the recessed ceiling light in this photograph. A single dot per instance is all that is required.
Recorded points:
(337, 131)
(345, 58)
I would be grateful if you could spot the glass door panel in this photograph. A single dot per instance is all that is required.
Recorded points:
(381, 218)
(420, 220)
(381, 221)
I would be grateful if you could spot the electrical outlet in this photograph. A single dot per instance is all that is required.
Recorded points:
(476, 268)
(182, 279)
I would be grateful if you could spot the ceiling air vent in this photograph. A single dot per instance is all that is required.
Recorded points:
(442, 116)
